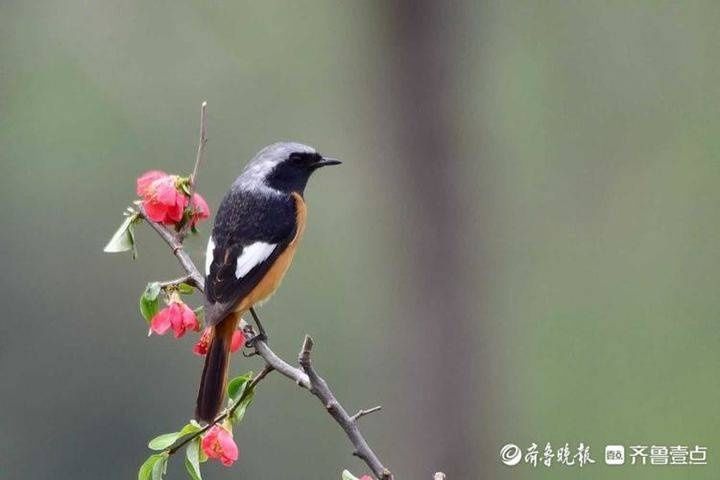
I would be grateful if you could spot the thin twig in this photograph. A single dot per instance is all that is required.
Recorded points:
(177, 281)
(225, 414)
(362, 412)
(202, 142)
(201, 145)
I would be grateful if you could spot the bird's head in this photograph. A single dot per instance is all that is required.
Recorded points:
(283, 166)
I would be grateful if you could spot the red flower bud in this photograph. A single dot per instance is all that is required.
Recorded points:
(218, 443)
(203, 344)
(238, 340)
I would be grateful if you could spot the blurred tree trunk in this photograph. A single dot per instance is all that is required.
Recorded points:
(422, 69)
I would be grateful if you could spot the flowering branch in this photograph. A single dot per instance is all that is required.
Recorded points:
(171, 206)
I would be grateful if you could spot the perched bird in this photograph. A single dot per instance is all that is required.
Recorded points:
(257, 228)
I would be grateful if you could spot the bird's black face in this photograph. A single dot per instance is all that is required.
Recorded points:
(292, 174)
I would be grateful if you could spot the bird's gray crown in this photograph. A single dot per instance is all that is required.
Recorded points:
(257, 170)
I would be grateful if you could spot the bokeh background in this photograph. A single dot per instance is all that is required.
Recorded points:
(521, 246)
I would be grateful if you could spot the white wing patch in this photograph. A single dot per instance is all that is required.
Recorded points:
(252, 256)
(209, 255)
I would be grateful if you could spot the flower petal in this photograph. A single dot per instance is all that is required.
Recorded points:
(154, 210)
(161, 321)
(142, 184)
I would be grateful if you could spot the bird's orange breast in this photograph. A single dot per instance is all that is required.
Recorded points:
(270, 282)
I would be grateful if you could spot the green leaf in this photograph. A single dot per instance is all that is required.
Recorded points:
(237, 385)
(348, 476)
(236, 389)
(161, 442)
(185, 289)
(191, 427)
(123, 240)
(185, 185)
(239, 412)
(160, 467)
(131, 234)
(145, 472)
(192, 459)
(150, 301)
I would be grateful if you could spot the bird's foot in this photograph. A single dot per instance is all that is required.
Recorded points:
(253, 338)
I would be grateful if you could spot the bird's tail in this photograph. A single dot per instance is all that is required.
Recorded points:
(214, 375)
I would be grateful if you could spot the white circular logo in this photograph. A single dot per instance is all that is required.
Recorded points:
(510, 454)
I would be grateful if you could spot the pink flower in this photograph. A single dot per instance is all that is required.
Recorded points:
(219, 443)
(199, 209)
(177, 316)
(238, 340)
(162, 201)
(203, 344)
(366, 477)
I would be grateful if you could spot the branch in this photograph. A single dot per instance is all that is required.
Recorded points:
(319, 388)
(176, 246)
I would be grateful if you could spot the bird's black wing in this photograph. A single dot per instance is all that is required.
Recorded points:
(251, 230)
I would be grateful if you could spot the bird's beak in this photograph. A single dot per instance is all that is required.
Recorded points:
(326, 161)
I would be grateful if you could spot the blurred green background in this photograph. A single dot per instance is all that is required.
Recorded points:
(521, 246)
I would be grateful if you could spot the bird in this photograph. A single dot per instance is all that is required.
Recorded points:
(256, 231)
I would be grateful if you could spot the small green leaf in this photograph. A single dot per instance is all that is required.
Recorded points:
(131, 234)
(239, 412)
(192, 459)
(236, 389)
(191, 427)
(185, 185)
(149, 301)
(160, 467)
(161, 442)
(123, 240)
(152, 290)
(348, 476)
(185, 289)
(145, 472)
(237, 385)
